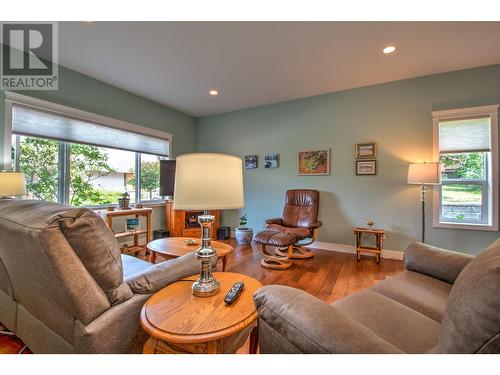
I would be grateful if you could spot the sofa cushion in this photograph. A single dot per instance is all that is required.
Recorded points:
(399, 325)
(133, 265)
(471, 323)
(432, 261)
(420, 292)
(96, 246)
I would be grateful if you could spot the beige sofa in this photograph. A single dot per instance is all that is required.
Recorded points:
(65, 287)
(445, 302)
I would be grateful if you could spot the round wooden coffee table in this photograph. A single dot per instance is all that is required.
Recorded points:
(179, 322)
(175, 247)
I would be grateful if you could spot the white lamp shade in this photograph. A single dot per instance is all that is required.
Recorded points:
(208, 182)
(12, 183)
(424, 173)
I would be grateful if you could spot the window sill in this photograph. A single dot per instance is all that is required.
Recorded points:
(482, 227)
(150, 204)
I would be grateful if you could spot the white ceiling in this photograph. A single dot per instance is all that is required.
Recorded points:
(258, 63)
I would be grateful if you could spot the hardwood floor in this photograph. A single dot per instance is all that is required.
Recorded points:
(329, 276)
(11, 344)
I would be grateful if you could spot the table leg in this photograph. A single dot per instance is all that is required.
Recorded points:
(254, 340)
(224, 263)
(150, 346)
(148, 230)
(152, 257)
(379, 246)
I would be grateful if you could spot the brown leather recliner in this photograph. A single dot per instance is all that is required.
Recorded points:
(300, 217)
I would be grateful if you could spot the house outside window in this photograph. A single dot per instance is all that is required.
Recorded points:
(466, 145)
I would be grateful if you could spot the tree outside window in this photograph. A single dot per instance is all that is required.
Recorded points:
(83, 175)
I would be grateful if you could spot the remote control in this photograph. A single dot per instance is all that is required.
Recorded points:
(234, 292)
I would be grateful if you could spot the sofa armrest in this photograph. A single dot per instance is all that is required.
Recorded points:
(160, 275)
(315, 225)
(432, 261)
(274, 221)
(293, 321)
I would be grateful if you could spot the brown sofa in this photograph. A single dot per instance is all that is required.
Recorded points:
(65, 287)
(445, 302)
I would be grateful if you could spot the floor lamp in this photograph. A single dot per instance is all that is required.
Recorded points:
(424, 174)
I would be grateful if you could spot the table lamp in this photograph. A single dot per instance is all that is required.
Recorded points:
(12, 184)
(205, 182)
(424, 174)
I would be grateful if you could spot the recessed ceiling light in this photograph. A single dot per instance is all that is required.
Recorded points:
(389, 49)
(213, 92)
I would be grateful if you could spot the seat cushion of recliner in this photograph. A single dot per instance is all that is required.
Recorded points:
(133, 266)
(420, 292)
(399, 325)
(301, 233)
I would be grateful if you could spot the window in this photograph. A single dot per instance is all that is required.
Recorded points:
(100, 175)
(80, 163)
(38, 159)
(466, 144)
(150, 177)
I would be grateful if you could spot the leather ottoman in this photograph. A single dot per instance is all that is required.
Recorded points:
(279, 240)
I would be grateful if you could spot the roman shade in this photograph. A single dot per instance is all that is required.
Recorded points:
(465, 135)
(45, 124)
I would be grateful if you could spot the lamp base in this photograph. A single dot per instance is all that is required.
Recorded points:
(205, 289)
(206, 285)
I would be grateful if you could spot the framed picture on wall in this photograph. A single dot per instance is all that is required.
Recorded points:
(271, 160)
(366, 167)
(251, 161)
(313, 163)
(366, 150)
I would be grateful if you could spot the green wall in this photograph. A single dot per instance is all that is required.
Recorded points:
(88, 94)
(396, 115)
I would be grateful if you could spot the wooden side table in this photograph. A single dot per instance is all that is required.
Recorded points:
(175, 247)
(180, 323)
(108, 216)
(379, 241)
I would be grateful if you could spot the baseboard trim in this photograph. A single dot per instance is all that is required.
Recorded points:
(329, 246)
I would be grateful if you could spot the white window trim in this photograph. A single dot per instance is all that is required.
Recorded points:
(15, 98)
(462, 113)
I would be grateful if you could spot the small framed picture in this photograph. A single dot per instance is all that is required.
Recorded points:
(366, 167)
(271, 160)
(251, 161)
(132, 224)
(313, 163)
(366, 150)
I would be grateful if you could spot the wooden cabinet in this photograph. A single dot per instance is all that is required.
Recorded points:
(181, 223)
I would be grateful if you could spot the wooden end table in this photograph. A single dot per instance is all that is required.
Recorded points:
(180, 323)
(175, 247)
(137, 213)
(379, 241)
